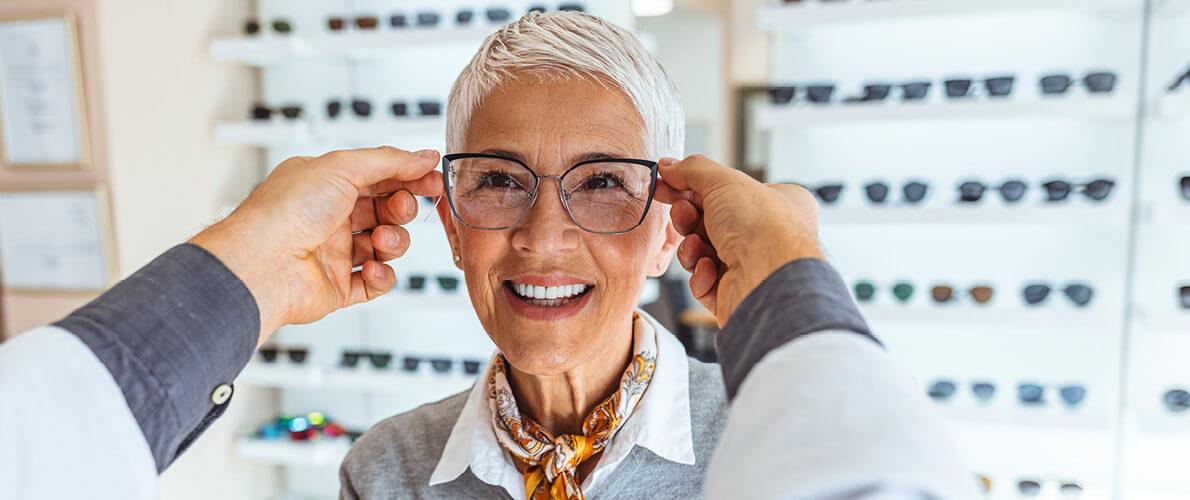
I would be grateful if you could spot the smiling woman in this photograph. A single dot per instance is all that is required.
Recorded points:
(554, 132)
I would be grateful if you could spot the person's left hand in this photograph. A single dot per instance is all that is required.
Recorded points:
(296, 239)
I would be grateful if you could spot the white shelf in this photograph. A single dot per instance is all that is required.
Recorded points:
(268, 49)
(1176, 321)
(1069, 107)
(1173, 105)
(976, 213)
(343, 129)
(1053, 317)
(1160, 215)
(360, 379)
(809, 14)
(321, 453)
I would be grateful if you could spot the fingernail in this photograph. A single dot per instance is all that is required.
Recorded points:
(391, 239)
(378, 270)
(667, 161)
(427, 153)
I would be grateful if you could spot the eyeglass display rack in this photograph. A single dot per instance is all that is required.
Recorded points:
(997, 367)
(304, 66)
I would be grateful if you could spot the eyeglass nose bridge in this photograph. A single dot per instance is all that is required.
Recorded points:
(561, 191)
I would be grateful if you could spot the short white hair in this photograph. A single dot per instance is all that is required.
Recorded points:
(560, 45)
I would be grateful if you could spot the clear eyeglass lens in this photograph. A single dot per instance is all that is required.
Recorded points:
(490, 193)
(607, 197)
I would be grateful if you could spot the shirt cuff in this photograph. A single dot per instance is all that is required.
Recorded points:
(173, 335)
(802, 297)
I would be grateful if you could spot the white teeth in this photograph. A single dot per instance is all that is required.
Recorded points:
(538, 292)
(548, 293)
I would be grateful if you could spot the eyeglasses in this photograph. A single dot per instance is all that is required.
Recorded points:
(872, 92)
(1176, 400)
(1095, 83)
(378, 359)
(941, 390)
(943, 294)
(367, 22)
(1059, 190)
(603, 196)
(447, 283)
(983, 391)
(817, 94)
(269, 354)
(1078, 293)
(1000, 86)
(1034, 394)
(827, 193)
(429, 108)
(262, 112)
(913, 192)
(972, 191)
(398, 20)
(252, 27)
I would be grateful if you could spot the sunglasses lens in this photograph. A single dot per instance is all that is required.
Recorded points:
(269, 354)
(335, 23)
(1056, 190)
(829, 193)
(1035, 294)
(361, 107)
(782, 95)
(333, 108)
(536, 8)
(1185, 182)
(942, 294)
(903, 291)
(429, 108)
(464, 16)
(350, 359)
(958, 88)
(251, 27)
(399, 109)
(1098, 190)
(916, 90)
(982, 294)
(441, 365)
(366, 23)
(298, 355)
(1031, 394)
(471, 367)
(427, 19)
(1100, 82)
(877, 192)
(864, 291)
(971, 191)
(1177, 400)
(381, 359)
(985, 483)
(448, 283)
(1073, 395)
(1071, 489)
(291, 111)
(410, 363)
(915, 191)
(983, 390)
(1029, 488)
(498, 15)
(1012, 191)
(1055, 84)
(398, 20)
(820, 93)
(1184, 294)
(1079, 294)
(876, 92)
(282, 26)
(1000, 86)
(571, 7)
(941, 390)
(259, 112)
(417, 282)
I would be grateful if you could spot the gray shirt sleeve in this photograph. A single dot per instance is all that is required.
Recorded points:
(802, 297)
(173, 335)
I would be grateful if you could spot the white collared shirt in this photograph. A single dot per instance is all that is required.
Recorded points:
(661, 423)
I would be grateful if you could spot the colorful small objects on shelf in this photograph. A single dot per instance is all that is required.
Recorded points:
(311, 426)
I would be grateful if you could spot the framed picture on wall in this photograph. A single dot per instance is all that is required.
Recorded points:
(42, 109)
(55, 241)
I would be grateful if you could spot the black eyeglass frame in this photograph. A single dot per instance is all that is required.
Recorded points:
(562, 195)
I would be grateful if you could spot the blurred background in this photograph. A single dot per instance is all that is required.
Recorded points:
(1005, 185)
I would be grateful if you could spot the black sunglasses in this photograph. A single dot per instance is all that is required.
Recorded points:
(269, 354)
(999, 86)
(1011, 191)
(912, 192)
(1185, 183)
(498, 15)
(378, 359)
(1176, 400)
(1184, 295)
(1095, 83)
(1180, 80)
(426, 19)
(601, 195)
(1078, 293)
(1060, 190)
(817, 94)
(262, 112)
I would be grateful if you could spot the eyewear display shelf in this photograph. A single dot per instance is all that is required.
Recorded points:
(1069, 393)
(322, 89)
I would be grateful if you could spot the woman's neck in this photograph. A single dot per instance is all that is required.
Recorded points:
(560, 402)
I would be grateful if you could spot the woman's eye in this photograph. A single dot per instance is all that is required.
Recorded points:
(497, 180)
(601, 182)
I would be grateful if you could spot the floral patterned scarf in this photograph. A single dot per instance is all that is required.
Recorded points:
(552, 461)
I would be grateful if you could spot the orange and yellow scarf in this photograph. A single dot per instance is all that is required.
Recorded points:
(550, 461)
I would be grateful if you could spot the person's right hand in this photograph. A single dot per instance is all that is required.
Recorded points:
(737, 230)
(296, 239)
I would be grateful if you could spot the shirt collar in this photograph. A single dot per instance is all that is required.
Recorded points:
(661, 424)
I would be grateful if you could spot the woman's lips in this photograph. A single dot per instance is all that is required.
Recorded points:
(534, 312)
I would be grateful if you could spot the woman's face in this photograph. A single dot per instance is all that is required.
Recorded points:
(550, 127)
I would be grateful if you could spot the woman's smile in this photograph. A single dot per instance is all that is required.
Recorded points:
(547, 297)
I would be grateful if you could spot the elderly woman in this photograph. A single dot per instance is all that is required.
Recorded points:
(555, 127)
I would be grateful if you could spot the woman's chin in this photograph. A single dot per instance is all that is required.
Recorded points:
(540, 359)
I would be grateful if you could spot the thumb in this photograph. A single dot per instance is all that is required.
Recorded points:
(697, 173)
(367, 166)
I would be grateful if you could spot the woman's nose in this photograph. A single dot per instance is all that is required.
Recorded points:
(547, 228)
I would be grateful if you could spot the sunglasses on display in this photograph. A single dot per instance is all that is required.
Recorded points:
(1011, 191)
(1095, 83)
(865, 291)
(1184, 295)
(1078, 293)
(817, 94)
(943, 294)
(378, 359)
(999, 86)
(872, 92)
(912, 192)
(1183, 79)
(1096, 190)
(1034, 394)
(983, 391)
(498, 15)
(269, 354)
(312, 425)
(252, 27)
(367, 22)
(941, 390)
(448, 283)
(1176, 400)
(261, 112)
(428, 19)
(1185, 184)
(600, 195)
(464, 17)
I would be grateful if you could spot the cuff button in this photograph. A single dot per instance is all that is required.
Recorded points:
(221, 394)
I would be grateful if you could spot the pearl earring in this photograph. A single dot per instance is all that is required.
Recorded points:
(457, 258)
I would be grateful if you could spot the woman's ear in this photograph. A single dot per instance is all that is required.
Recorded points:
(448, 224)
(659, 261)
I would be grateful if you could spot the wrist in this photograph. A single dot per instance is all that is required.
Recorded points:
(245, 254)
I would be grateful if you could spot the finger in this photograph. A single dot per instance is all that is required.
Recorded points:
(684, 216)
(390, 242)
(428, 185)
(362, 249)
(368, 166)
(698, 174)
(373, 280)
(694, 249)
(669, 195)
(703, 279)
(398, 209)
